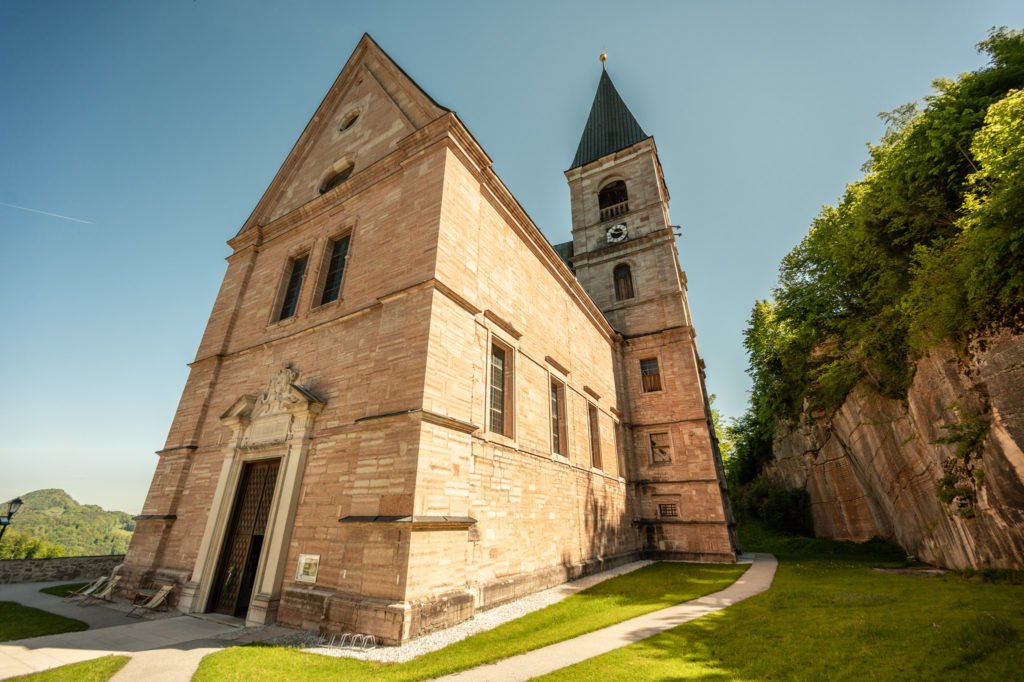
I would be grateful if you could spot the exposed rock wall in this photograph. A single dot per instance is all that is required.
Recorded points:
(873, 468)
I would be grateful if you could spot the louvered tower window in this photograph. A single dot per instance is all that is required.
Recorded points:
(650, 375)
(623, 277)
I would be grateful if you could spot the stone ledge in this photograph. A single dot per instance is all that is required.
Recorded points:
(417, 522)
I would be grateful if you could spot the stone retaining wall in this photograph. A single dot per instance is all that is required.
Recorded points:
(59, 568)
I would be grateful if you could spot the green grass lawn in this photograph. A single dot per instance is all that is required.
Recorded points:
(63, 590)
(651, 588)
(20, 622)
(96, 670)
(829, 616)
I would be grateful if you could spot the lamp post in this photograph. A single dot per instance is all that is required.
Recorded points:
(5, 520)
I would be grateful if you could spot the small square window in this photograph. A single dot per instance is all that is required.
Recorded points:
(650, 375)
(668, 510)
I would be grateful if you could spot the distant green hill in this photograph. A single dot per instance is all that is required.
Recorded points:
(80, 529)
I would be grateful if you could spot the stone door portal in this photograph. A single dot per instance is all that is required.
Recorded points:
(236, 574)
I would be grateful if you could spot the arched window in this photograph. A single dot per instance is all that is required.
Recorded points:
(623, 282)
(336, 179)
(613, 199)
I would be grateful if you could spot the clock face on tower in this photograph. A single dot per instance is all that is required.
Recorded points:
(617, 234)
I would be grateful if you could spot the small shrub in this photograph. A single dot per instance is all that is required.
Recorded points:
(773, 505)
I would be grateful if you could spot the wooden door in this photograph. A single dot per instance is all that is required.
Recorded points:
(236, 573)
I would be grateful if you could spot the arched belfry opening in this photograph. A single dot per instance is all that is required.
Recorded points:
(613, 199)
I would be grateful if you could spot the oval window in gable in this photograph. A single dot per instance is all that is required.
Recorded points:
(338, 178)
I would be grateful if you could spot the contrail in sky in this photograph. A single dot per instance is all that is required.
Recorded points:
(54, 215)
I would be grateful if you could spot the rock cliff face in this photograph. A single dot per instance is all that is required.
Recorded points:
(942, 474)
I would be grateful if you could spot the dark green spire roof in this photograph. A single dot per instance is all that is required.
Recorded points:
(611, 126)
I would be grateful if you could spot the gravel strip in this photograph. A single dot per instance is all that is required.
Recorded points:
(484, 620)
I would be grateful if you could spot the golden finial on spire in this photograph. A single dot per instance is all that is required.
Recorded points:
(603, 58)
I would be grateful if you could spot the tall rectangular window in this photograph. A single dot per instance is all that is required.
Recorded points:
(594, 426)
(335, 270)
(650, 375)
(620, 456)
(558, 431)
(500, 418)
(294, 287)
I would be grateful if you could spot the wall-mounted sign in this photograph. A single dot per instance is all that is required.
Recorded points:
(309, 564)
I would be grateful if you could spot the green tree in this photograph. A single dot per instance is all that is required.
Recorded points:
(928, 246)
(20, 545)
(722, 432)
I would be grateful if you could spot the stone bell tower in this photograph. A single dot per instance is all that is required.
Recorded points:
(624, 254)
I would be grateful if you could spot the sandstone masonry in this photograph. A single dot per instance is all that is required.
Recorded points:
(408, 406)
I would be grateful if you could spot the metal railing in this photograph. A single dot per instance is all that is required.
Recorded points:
(614, 210)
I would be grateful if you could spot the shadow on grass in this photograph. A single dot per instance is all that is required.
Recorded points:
(830, 616)
(22, 622)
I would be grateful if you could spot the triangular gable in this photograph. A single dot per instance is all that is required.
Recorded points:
(387, 106)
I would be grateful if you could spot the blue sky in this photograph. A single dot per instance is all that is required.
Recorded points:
(152, 128)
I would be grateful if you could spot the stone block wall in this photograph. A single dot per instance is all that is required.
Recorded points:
(58, 568)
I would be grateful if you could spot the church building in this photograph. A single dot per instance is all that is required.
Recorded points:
(408, 406)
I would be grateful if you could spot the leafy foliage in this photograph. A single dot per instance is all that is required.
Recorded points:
(962, 473)
(51, 523)
(722, 431)
(927, 247)
(772, 505)
(20, 545)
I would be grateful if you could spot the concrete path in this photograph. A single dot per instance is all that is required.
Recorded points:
(173, 635)
(756, 580)
(169, 665)
(95, 616)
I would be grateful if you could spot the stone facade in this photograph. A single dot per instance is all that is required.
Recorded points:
(401, 503)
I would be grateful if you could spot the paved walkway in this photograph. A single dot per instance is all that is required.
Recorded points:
(169, 641)
(167, 634)
(95, 616)
(756, 580)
